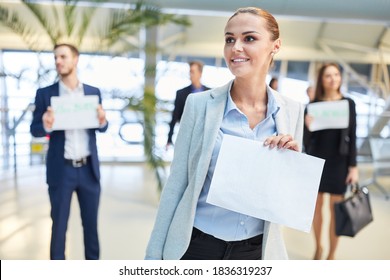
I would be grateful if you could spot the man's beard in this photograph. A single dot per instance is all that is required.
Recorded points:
(65, 74)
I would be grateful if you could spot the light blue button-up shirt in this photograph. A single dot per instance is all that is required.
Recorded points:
(219, 222)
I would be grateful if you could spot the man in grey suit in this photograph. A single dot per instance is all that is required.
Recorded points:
(72, 163)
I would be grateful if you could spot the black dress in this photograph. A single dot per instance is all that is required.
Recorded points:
(338, 148)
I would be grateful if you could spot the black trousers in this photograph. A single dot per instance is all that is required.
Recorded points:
(206, 247)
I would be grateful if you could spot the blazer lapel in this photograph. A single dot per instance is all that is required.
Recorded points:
(56, 90)
(215, 108)
(86, 90)
(213, 119)
(282, 118)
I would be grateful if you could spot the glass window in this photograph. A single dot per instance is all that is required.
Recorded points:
(27, 71)
(275, 68)
(298, 70)
(364, 70)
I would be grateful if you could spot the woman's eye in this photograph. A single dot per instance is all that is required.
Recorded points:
(229, 40)
(249, 38)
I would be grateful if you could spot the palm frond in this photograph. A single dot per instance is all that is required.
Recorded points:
(70, 16)
(52, 30)
(86, 21)
(151, 15)
(19, 27)
(115, 29)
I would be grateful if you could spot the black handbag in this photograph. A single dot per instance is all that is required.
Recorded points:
(353, 213)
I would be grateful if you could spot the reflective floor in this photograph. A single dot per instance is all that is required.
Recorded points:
(127, 211)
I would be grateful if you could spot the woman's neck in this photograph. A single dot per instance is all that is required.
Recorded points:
(249, 93)
(251, 99)
(332, 96)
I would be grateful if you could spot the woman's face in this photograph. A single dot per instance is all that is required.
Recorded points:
(331, 79)
(248, 47)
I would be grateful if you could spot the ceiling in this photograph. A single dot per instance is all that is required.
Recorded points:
(353, 30)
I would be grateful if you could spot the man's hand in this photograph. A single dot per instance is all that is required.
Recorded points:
(101, 115)
(48, 118)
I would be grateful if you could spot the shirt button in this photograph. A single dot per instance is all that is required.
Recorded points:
(242, 223)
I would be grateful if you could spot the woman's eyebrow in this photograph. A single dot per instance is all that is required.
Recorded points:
(248, 32)
(243, 33)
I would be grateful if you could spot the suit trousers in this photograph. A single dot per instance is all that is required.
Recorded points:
(207, 247)
(83, 182)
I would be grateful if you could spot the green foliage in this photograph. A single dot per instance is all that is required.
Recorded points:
(69, 22)
(147, 105)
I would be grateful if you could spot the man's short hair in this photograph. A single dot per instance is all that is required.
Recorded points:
(199, 63)
(72, 48)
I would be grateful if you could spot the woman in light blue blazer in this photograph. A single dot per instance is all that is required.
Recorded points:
(186, 226)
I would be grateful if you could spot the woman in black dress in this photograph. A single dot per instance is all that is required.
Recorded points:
(338, 148)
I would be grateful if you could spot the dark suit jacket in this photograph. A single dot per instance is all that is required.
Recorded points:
(55, 155)
(181, 97)
(347, 146)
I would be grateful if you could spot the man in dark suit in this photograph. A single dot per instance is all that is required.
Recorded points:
(72, 163)
(196, 68)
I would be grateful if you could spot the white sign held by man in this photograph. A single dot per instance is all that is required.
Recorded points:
(75, 113)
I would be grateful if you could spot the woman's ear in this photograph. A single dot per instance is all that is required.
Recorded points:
(276, 46)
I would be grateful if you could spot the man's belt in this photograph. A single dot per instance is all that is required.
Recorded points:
(78, 162)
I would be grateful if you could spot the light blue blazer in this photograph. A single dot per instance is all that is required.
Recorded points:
(194, 145)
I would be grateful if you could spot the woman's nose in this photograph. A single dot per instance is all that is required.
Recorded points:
(237, 46)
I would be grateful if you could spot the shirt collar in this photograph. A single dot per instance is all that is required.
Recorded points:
(66, 89)
(272, 106)
(194, 89)
(230, 105)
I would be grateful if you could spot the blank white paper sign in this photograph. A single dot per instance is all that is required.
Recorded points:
(279, 186)
(75, 113)
(329, 114)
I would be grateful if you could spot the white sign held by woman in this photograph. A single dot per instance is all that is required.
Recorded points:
(329, 115)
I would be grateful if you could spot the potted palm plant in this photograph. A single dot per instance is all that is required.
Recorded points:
(71, 22)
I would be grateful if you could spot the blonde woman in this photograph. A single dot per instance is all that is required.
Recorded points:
(186, 226)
